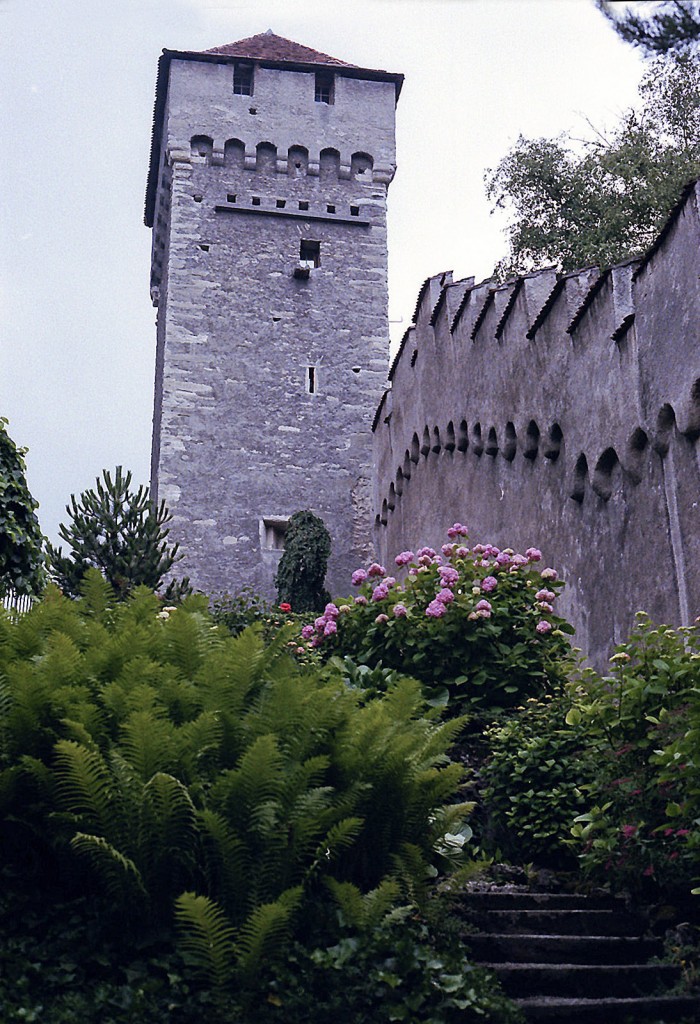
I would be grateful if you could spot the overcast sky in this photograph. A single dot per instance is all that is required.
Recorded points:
(77, 335)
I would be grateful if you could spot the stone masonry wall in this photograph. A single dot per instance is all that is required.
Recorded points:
(561, 412)
(240, 436)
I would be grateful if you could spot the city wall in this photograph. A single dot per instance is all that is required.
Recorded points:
(561, 411)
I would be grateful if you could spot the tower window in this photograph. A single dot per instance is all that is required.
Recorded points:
(272, 533)
(310, 253)
(242, 79)
(311, 380)
(324, 87)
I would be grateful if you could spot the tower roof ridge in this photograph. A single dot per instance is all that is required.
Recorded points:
(269, 46)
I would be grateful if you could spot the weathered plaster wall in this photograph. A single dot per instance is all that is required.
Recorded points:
(561, 412)
(238, 438)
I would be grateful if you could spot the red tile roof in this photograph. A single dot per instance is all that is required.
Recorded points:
(268, 46)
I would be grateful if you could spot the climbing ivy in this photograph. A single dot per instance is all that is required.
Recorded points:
(302, 569)
(21, 558)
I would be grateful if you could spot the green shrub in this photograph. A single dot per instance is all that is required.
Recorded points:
(302, 570)
(148, 756)
(642, 825)
(475, 625)
(532, 783)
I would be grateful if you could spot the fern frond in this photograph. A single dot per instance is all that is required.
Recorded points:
(84, 784)
(229, 865)
(338, 838)
(265, 929)
(147, 740)
(206, 937)
(364, 910)
(97, 594)
(169, 822)
(412, 872)
(119, 873)
(187, 640)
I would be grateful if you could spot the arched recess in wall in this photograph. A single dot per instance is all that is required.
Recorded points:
(425, 447)
(532, 441)
(510, 442)
(476, 440)
(201, 147)
(492, 443)
(689, 418)
(450, 441)
(399, 482)
(463, 437)
(437, 445)
(384, 518)
(407, 465)
(577, 486)
(234, 153)
(391, 502)
(665, 424)
(602, 482)
(361, 165)
(266, 158)
(552, 445)
(635, 454)
(415, 449)
(329, 165)
(297, 161)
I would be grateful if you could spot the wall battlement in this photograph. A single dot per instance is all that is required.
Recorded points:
(561, 411)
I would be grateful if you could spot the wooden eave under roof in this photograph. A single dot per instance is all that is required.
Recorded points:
(218, 56)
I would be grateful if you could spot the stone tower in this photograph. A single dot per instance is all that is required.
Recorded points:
(267, 191)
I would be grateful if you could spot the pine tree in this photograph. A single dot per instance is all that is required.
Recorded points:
(21, 558)
(663, 27)
(117, 531)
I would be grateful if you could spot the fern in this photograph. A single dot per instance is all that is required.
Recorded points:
(206, 938)
(364, 910)
(169, 823)
(264, 930)
(147, 740)
(97, 594)
(119, 873)
(84, 784)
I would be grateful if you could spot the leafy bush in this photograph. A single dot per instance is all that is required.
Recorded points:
(476, 625)
(147, 755)
(302, 569)
(532, 783)
(21, 556)
(642, 826)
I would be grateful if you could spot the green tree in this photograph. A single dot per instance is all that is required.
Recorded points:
(118, 531)
(606, 201)
(670, 25)
(302, 569)
(21, 558)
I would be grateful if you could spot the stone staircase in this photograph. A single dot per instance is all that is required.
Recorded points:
(566, 958)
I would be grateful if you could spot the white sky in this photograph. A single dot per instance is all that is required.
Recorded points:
(77, 335)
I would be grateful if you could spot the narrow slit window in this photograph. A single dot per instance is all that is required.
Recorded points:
(311, 381)
(310, 253)
(330, 208)
(256, 200)
(303, 205)
(324, 90)
(281, 203)
(242, 79)
(354, 211)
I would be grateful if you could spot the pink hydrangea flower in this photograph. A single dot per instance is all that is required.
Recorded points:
(503, 558)
(316, 641)
(389, 581)
(483, 606)
(458, 530)
(479, 549)
(359, 576)
(380, 592)
(376, 569)
(361, 600)
(545, 606)
(331, 611)
(404, 558)
(462, 552)
(488, 584)
(320, 623)
(543, 626)
(307, 632)
(448, 550)
(519, 560)
(545, 595)
(423, 552)
(382, 617)
(445, 596)
(549, 574)
(533, 554)
(484, 563)
(448, 575)
(330, 629)
(435, 610)
(400, 611)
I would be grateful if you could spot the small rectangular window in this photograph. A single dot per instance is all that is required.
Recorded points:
(310, 253)
(255, 200)
(354, 211)
(273, 530)
(230, 198)
(324, 87)
(281, 203)
(303, 205)
(242, 79)
(330, 208)
(311, 382)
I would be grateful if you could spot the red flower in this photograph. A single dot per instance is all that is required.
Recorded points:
(285, 607)
(628, 831)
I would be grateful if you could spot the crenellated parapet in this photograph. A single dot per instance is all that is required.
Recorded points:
(561, 410)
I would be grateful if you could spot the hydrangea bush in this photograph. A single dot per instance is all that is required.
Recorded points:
(476, 624)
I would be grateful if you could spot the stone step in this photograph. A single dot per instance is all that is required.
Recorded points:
(561, 922)
(511, 947)
(584, 980)
(505, 899)
(610, 1010)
